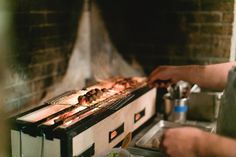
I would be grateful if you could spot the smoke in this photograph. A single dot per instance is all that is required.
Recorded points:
(78, 69)
(93, 57)
(17, 90)
(106, 61)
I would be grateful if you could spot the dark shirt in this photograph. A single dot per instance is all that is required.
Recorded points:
(226, 123)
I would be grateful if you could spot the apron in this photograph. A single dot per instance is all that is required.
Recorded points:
(226, 122)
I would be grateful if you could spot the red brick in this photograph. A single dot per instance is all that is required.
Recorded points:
(217, 5)
(217, 29)
(228, 17)
(204, 17)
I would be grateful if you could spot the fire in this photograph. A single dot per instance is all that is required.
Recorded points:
(85, 102)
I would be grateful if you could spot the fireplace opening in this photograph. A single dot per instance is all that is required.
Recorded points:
(59, 46)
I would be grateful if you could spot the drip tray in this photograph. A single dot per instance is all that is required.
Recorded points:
(151, 140)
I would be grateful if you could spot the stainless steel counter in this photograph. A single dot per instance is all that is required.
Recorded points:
(142, 144)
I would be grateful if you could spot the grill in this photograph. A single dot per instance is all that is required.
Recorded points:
(84, 122)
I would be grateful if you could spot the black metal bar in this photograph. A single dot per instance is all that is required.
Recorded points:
(88, 152)
(66, 147)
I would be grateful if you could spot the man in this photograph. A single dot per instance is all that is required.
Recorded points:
(192, 142)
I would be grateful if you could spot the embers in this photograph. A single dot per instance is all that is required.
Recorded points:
(118, 86)
(98, 97)
(91, 96)
(125, 83)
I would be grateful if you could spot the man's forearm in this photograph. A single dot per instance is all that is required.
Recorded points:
(216, 146)
(208, 76)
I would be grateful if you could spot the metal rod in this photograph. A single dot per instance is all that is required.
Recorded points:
(42, 146)
(21, 151)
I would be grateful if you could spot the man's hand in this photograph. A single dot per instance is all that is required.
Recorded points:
(205, 76)
(165, 73)
(182, 142)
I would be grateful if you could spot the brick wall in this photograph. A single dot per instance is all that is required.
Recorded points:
(44, 32)
(170, 31)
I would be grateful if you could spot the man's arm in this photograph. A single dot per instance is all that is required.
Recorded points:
(207, 76)
(211, 145)
(192, 142)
